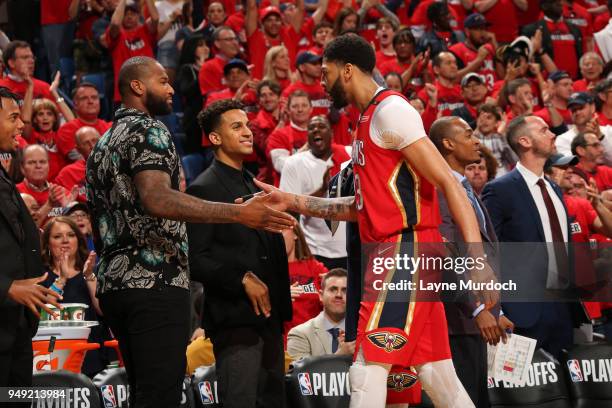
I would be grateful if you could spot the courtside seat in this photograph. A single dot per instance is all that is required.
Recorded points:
(588, 369)
(79, 390)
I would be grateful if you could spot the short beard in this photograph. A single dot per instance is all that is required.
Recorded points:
(338, 95)
(156, 105)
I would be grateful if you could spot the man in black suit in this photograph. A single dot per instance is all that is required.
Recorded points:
(470, 325)
(243, 270)
(21, 271)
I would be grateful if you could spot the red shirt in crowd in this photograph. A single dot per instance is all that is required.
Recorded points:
(306, 274)
(535, 90)
(545, 114)
(467, 55)
(73, 175)
(564, 47)
(581, 19)
(601, 21)
(504, 21)
(318, 98)
(531, 15)
(41, 197)
(289, 138)
(382, 58)
(65, 134)
(49, 141)
(419, 17)
(259, 44)
(604, 120)
(54, 11)
(41, 88)
(602, 176)
(210, 76)
(128, 44)
(262, 126)
(448, 98)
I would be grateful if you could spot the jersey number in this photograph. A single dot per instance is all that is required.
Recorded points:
(358, 195)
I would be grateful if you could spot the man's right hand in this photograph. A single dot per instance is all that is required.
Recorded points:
(29, 293)
(258, 212)
(258, 294)
(489, 329)
(345, 348)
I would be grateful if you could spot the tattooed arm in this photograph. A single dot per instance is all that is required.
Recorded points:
(160, 200)
(340, 209)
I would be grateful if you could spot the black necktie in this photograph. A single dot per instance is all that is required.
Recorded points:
(557, 236)
(335, 332)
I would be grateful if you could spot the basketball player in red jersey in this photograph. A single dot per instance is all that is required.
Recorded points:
(396, 168)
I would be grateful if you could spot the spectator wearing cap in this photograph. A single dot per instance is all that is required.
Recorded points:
(239, 84)
(561, 40)
(79, 212)
(590, 152)
(487, 130)
(448, 91)
(87, 108)
(441, 35)
(503, 16)
(474, 92)
(555, 112)
(584, 119)
(591, 69)
(73, 175)
(385, 31)
(57, 29)
(406, 63)
(604, 93)
(226, 47)
(19, 62)
(273, 32)
(476, 53)
(309, 67)
(126, 37)
(289, 138)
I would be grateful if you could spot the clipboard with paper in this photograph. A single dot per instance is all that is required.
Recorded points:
(510, 362)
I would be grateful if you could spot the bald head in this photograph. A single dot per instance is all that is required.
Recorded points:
(134, 69)
(144, 85)
(35, 165)
(34, 149)
(85, 140)
(442, 129)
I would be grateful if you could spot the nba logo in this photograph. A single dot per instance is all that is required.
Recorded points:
(108, 396)
(575, 371)
(490, 382)
(206, 394)
(305, 384)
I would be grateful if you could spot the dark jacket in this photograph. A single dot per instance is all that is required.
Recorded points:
(220, 255)
(530, 30)
(20, 253)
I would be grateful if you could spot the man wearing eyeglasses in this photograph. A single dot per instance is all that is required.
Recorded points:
(590, 152)
(227, 47)
(19, 61)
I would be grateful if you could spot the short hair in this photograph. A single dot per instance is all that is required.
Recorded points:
(516, 127)
(491, 108)
(133, 69)
(322, 24)
(333, 273)
(590, 54)
(84, 129)
(9, 50)
(351, 49)
(405, 34)
(44, 103)
(83, 85)
(296, 94)
(437, 59)
(436, 9)
(440, 130)
(210, 118)
(386, 20)
(491, 162)
(219, 30)
(515, 84)
(273, 85)
(8, 94)
(579, 141)
(398, 76)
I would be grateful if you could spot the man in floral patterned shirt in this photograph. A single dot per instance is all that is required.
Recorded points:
(139, 227)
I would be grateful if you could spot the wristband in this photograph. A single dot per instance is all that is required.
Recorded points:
(90, 278)
(56, 289)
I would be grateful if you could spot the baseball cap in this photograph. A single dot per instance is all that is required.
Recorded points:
(306, 57)
(472, 76)
(132, 5)
(476, 20)
(265, 12)
(556, 76)
(75, 206)
(520, 46)
(235, 63)
(580, 99)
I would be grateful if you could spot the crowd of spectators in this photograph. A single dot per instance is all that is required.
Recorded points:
(486, 61)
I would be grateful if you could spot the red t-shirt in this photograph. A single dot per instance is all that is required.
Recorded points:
(73, 175)
(581, 85)
(210, 76)
(604, 120)
(582, 213)
(49, 142)
(419, 17)
(467, 55)
(545, 114)
(307, 274)
(318, 98)
(531, 15)
(601, 21)
(259, 44)
(504, 21)
(581, 19)
(65, 134)
(305, 35)
(41, 88)
(460, 12)
(448, 98)
(236, 22)
(564, 47)
(54, 11)
(41, 197)
(382, 58)
(288, 138)
(128, 44)
(602, 176)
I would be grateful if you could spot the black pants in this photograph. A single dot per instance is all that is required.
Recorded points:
(250, 367)
(153, 332)
(331, 263)
(470, 361)
(16, 365)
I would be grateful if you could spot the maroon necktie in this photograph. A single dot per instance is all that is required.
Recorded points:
(557, 236)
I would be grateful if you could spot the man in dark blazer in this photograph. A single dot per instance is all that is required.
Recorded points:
(527, 207)
(244, 272)
(22, 269)
(470, 325)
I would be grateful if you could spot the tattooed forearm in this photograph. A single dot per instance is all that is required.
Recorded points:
(340, 209)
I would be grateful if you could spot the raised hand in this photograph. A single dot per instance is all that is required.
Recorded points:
(88, 268)
(55, 84)
(29, 293)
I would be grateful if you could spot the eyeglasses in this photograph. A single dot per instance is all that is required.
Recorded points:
(229, 39)
(79, 215)
(596, 144)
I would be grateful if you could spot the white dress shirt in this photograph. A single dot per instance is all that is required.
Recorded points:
(563, 142)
